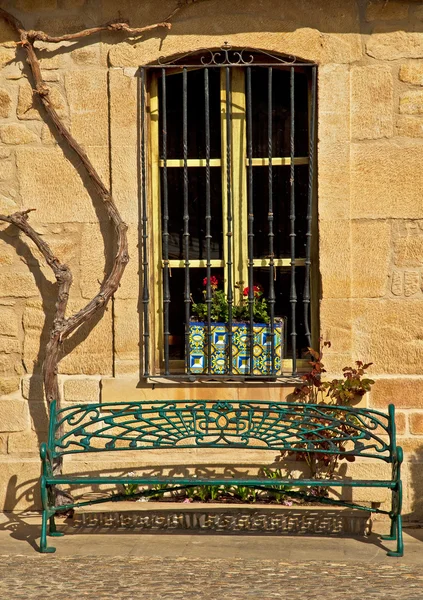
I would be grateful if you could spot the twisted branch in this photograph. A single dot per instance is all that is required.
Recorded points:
(62, 326)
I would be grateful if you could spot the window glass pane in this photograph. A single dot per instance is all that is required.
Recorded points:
(197, 212)
(195, 112)
(281, 103)
(177, 306)
(282, 285)
(281, 210)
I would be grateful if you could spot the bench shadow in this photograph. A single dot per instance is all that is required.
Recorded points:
(20, 529)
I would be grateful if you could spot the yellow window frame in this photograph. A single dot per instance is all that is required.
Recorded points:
(239, 240)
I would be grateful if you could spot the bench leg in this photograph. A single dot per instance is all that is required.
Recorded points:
(400, 543)
(52, 528)
(43, 540)
(46, 515)
(393, 534)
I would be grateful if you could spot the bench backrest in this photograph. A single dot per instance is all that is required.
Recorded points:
(280, 426)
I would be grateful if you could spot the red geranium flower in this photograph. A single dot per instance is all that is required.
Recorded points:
(213, 282)
(256, 289)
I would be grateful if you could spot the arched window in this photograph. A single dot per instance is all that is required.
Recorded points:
(227, 152)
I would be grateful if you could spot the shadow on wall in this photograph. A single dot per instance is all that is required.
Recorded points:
(302, 521)
(415, 486)
(27, 252)
(328, 16)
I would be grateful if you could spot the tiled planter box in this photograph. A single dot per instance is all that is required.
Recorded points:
(262, 359)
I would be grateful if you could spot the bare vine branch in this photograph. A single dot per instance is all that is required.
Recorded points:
(63, 327)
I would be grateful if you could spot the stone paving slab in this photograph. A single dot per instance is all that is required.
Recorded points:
(116, 577)
(105, 563)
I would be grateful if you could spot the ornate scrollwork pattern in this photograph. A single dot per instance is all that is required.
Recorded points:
(226, 56)
(286, 427)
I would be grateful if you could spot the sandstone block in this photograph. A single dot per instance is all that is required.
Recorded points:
(88, 102)
(8, 385)
(416, 424)
(411, 127)
(17, 284)
(124, 180)
(17, 134)
(9, 345)
(71, 3)
(90, 350)
(5, 104)
(14, 415)
(7, 170)
(7, 255)
(39, 417)
(24, 443)
(306, 42)
(411, 102)
(3, 443)
(32, 388)
(8, 35)
(65, 199)
(400, 422)
(92, 259)
(386, 180)
(408, 251)
(19, 479)
(131, 279)
(35, 5)
(59, 25)
(335, 252)
(397, 283)
(395, 44)
(7, 56)
(29, 106)
(335, 323)
(415, 489)
(127, 329)
(88, 55)
(5, 152)
(371, 252)
(9, 321)
(82, 390)
(411, 283)
(388, 333)
(10, 365)
(50, 75)
(334, 103)
(371, 102)
(123, 108)
(380, 10)
(412, 72)
(334, 180)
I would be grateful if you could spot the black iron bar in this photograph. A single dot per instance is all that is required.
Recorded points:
(271, 235)
(229, 66)
(186, 236)
(229, 232)
(208, 215)
(145, 270)
(250, 220)
(312, 125)
(165, 235)
(293, 290)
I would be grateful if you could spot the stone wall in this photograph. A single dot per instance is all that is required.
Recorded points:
(370, 202)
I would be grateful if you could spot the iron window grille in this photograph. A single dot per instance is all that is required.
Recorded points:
(227, 152)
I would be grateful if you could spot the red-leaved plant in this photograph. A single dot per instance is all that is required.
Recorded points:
(315, 390)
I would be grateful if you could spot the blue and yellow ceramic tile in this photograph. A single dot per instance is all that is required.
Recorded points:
(262, 340)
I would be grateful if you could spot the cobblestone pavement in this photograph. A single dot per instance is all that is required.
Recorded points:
(44, 577)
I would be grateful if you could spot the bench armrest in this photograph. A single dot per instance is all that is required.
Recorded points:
(47, 460)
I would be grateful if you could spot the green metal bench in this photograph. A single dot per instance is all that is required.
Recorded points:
(277, 426)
